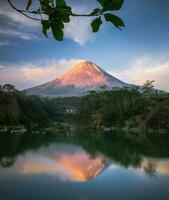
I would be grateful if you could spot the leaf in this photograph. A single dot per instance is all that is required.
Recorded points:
(95, 11)
(111, 4)
(114, 5)
(57, 32)
(60, 3)
(29, 3)
(117, 21)
(65, 18)
(45, 27)
(96, 24)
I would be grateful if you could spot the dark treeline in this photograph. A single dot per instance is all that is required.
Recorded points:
(116, 108)
(125, 108)
(18, 108)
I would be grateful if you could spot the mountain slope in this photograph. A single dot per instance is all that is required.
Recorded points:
(81, 79)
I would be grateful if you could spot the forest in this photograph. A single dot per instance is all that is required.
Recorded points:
(122, 108)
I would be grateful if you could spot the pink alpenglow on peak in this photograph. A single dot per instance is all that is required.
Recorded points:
(84, 74)
(82, 78)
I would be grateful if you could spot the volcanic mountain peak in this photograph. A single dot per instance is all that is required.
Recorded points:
(82, 78)
(84, 74)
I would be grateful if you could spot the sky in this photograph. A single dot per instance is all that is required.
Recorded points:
(138, 53)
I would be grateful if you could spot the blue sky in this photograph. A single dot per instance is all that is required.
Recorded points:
(137, 53)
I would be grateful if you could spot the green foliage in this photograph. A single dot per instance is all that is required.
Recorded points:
(114, 20)
(107, 5)
(125, 106)
(53, 14)
(45, 27)
(57, 30)
(148, 86)
(111, 4)
(96, 24)
(18, 108)
(115, 108)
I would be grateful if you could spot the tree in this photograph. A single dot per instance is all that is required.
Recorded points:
(148, 86)
(53, 14)
(8, 88)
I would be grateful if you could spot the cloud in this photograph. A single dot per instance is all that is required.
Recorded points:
(146, 68)
(78, 29)
(4, 43)
(19, 34)
(25, 75)
(13, 24)
(17, 17)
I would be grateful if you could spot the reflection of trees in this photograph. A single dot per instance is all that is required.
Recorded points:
(150, 168)
(7, 162)
(126, 151)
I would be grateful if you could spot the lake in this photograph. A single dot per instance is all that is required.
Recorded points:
(87, 165)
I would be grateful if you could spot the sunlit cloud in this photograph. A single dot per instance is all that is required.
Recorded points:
(146, 68)
(24, 75)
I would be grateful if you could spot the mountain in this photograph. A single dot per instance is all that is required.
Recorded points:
(81, 79)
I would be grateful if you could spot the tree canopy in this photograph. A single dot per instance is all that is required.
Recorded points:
(54, 14)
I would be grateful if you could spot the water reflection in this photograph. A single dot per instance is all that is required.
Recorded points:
(80, 167)
(155, 165)
(67, 162)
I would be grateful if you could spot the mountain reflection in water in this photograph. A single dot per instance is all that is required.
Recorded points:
(105, 162)
(68, 162)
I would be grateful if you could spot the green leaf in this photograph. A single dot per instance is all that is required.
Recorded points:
(114, 5)
(96, 11)
(57, 32)
(111, 4)
(117, 21)
(45, 27)
(65, 18)
(46, 8)
(60, 3)
(55, 20)
(96, 23)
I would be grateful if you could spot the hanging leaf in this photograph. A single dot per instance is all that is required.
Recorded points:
(111, 4)
(29, 3)
(57, 32)
(45, 27)
(117, 21)
(60, 3)
(96, 11)
(96, 23)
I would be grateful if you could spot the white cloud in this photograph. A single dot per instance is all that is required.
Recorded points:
(146, 68)
(19, 34)
(79, 30)
(31, 74)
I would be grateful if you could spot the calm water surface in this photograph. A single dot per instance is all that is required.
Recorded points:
(82, 167)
